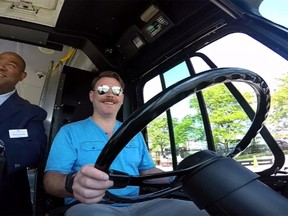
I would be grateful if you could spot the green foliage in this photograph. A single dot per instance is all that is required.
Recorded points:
(189, 128)
(279, 109)
(227, 119)
(158, 134)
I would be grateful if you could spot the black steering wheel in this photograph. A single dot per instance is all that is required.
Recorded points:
(160, 103)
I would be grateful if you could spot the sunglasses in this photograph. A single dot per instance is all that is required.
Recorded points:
(104, 89)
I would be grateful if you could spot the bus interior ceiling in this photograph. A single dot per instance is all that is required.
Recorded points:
(131, 37)
(119, 35)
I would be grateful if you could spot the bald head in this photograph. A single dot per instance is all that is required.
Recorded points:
(12, 71)
(20, 61)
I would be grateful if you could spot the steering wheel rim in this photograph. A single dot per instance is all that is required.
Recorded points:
(170, 96)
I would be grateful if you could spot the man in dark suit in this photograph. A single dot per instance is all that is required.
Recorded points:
(22, 138)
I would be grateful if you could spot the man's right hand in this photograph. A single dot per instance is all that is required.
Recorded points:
(90, 184)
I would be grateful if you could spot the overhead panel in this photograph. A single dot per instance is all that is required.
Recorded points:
(44, 12)
(154, 24)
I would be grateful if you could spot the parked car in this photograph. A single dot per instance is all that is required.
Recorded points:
(283, 144)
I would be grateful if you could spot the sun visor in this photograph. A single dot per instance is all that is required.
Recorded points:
(44, 12)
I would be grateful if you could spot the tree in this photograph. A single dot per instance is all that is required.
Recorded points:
(189, 128)
(158, 134)
(279, 109)
(228, 120)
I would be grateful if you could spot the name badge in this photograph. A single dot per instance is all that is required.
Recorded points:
(18, 133)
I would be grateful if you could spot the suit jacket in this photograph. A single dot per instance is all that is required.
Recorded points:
(23, 148)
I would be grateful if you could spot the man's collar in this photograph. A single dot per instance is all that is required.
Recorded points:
(4, 97)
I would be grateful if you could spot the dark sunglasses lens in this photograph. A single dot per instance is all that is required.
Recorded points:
(103, 89)
(116, 90)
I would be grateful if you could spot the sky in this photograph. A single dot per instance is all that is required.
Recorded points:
(275, 10)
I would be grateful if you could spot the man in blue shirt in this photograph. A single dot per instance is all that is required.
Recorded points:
(70, 171)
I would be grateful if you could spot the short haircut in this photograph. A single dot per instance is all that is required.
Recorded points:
(111, 74)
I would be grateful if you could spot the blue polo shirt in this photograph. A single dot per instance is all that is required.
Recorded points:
(80, 143)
